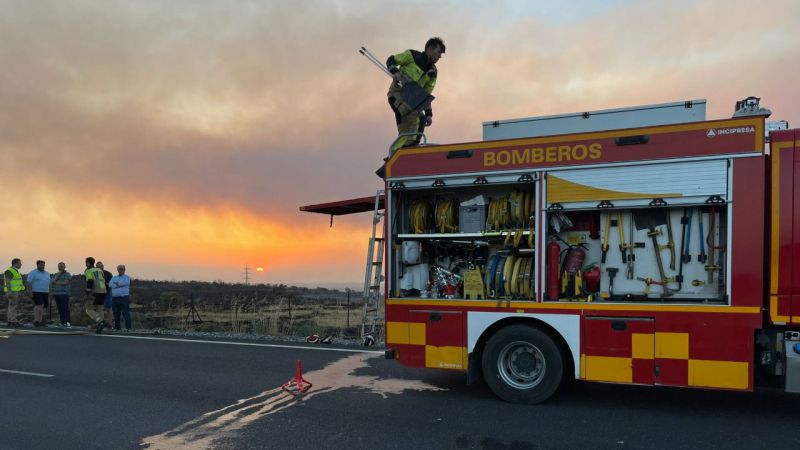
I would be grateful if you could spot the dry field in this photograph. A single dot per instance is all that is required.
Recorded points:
(281, 316)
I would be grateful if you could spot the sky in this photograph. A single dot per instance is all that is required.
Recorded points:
(180, 137)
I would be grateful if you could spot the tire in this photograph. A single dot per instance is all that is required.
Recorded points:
(522, 364)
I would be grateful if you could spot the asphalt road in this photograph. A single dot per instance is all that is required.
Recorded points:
(88, 391)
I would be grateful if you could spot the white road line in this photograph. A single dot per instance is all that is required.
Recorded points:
(33, 374)
(246, 344)
(20, 331)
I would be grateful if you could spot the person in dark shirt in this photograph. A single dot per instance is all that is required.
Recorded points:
(60, 288)
(107, 301)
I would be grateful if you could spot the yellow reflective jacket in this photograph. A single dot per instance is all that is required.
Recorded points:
(17, 283)
(98, 282)
(417, 67)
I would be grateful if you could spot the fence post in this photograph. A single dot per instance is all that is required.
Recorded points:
(348, 308)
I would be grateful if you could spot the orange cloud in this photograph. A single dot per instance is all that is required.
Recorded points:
(153, 237)
(197, 129)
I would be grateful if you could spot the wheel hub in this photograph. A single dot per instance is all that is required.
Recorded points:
(521, 365)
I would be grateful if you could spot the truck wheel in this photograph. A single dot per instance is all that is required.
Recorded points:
(522, 364)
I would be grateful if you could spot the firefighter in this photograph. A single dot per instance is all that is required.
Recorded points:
(95, 294)
(419, 67)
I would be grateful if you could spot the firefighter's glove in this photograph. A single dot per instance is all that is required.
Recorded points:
(428, 120)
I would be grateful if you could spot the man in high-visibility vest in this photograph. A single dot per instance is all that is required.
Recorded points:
(418, 67)
(14, 288)
(95, 293)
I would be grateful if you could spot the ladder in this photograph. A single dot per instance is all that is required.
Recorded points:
(372, 323)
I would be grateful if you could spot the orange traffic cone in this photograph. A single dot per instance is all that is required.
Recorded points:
(297, 385)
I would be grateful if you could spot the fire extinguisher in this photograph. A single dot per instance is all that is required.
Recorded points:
(591, 277)
(571, 276)
(573, 260)
(553, 251)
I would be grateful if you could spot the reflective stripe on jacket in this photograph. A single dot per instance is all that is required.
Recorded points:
(417, 67)
(98, 282)
(17, 283)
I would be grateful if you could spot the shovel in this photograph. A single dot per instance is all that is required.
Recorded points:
(649, 219)
(411, 93)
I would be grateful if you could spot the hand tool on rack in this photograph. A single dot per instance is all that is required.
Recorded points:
(629, 271)
(612, 273)
(722, 260)
(649, 220)
(411, 93)
(670, 241)
(711, 267)
(631, 255)
(604, 247)
(620, 227)
(686, 223)
(719, 264)
(701, 258)
(649, 281)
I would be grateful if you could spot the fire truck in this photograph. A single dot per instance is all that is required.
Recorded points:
(642, 245)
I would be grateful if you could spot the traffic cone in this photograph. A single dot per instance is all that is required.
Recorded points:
(297, 385)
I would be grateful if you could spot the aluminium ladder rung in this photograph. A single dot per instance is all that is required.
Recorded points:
(373, 277)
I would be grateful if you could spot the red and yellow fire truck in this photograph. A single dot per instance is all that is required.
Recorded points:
(642, 245)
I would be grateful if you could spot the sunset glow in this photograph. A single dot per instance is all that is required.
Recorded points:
(180, 138)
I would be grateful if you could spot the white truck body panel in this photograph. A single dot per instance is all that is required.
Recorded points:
(601, 120)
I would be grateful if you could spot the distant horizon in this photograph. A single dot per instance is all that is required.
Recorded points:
(332, 286)
(339, 286)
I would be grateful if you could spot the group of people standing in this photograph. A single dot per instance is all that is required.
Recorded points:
(108, 296)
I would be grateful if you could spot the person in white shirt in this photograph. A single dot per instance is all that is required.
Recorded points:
(39, 286)
(120, 298)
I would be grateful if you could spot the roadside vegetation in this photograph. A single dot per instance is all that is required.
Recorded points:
(263, 309)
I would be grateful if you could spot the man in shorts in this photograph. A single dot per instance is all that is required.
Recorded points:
(39, 286)
(95, 294)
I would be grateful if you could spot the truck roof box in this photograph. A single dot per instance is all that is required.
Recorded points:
(601, 120)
